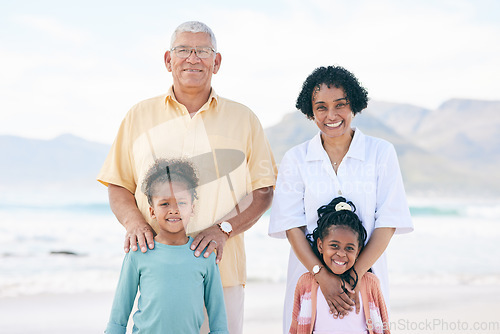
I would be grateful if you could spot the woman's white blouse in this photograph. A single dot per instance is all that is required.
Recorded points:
(369, 176)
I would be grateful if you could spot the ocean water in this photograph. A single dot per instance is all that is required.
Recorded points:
(79, 248)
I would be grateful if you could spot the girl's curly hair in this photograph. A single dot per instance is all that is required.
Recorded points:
(170, 170)
(335, 76)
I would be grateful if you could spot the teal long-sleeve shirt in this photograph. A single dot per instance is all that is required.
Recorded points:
(174, 286)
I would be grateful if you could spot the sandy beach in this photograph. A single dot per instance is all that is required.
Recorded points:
(415, 309)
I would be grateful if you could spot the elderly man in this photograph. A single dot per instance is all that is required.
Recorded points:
(225, 141)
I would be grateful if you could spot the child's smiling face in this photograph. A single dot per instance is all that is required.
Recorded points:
(339, 248)
(172, 206)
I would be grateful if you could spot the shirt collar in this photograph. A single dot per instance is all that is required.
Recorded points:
(213, 98)
(357, 148)
(315, 150)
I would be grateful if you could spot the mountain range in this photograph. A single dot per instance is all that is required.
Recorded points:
(453, 150)
(58, 171)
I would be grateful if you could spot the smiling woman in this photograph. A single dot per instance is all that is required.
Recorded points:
(333, 77)
(332, 115)
(339, 160)
(331, 97)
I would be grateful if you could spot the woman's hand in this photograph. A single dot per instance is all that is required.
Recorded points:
(339, 301)
(355, 295)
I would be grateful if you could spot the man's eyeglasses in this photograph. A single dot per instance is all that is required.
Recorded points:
(201, 52)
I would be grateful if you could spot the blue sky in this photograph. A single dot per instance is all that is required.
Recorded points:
(78, 66)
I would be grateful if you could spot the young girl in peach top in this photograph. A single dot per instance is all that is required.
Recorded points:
(337, 241)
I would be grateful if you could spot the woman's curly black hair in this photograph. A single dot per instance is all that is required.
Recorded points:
(170, 170)
(335, 76)
(329, 216)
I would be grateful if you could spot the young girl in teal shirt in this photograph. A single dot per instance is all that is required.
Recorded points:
(174, 285)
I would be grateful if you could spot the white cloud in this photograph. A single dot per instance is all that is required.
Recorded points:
(398, 52)
(53, 28)
(402, 51)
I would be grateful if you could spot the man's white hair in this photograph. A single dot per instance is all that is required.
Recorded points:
(194, 27)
